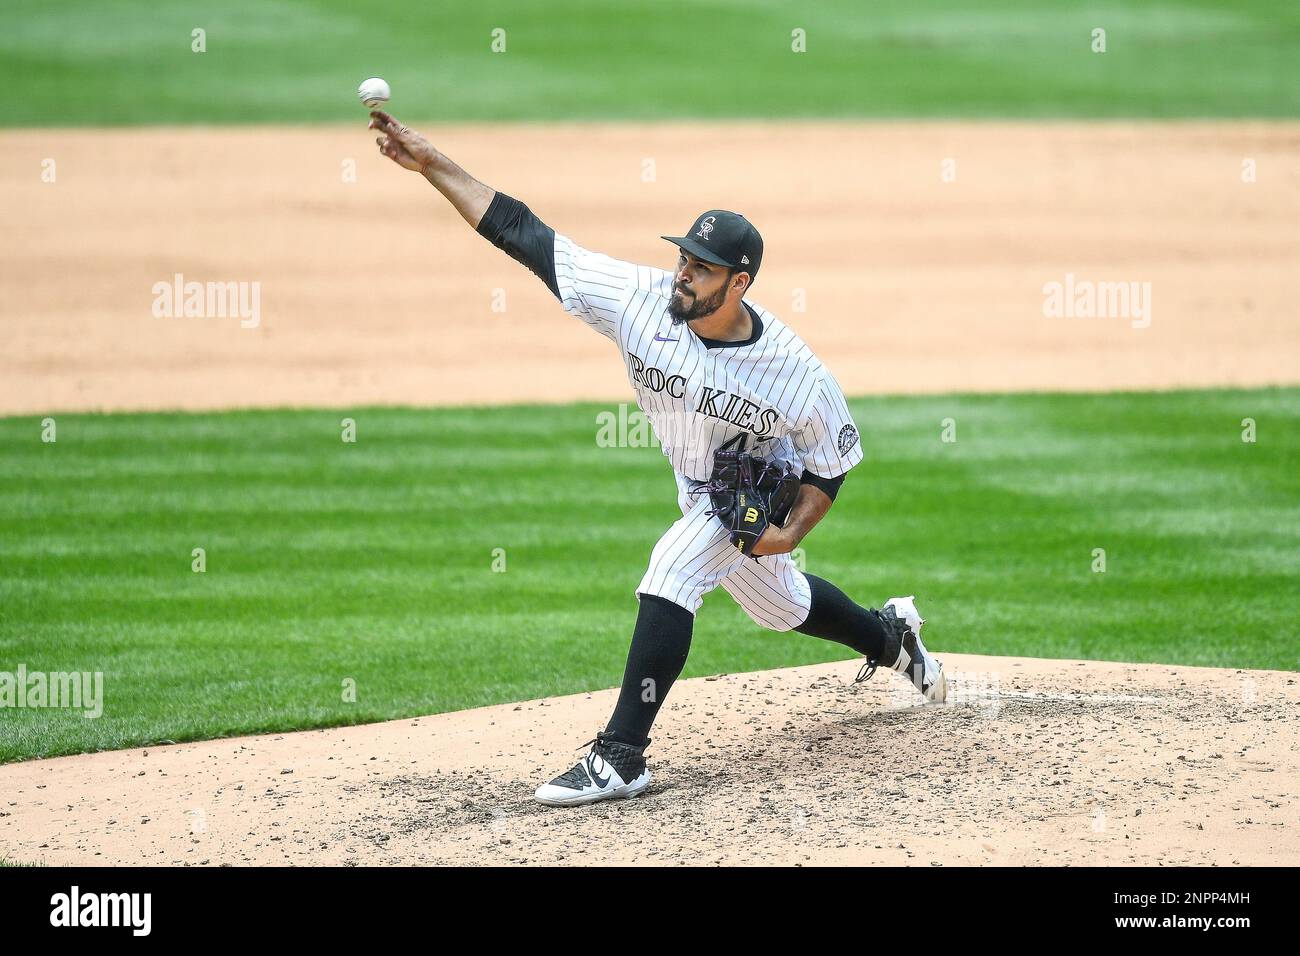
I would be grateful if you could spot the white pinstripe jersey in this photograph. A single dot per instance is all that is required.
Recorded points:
(699, 396)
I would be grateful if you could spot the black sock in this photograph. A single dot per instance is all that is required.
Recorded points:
(835, 617)
(660, 643)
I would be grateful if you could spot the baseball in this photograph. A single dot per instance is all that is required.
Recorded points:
(374, 92)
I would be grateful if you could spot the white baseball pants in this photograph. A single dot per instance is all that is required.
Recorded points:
(694, 556)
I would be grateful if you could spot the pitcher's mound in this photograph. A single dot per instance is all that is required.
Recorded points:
(1033, 761)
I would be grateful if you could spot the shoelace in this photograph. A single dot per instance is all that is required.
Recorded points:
(599, 741)
(711, 487)
(869, 668)
(577, 777)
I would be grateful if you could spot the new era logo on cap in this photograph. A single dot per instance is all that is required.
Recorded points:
(725, 239)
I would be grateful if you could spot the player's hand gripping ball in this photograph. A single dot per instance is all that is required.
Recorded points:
(402, 144)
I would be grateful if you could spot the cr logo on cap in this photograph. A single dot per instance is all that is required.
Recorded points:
(706, 227)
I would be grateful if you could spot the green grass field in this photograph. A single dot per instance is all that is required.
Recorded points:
(88, 62)
(373, 561)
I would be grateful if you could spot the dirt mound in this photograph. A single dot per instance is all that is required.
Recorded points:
(912, 256)
(1035, 761)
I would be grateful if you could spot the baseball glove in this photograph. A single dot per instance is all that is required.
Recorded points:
(749, 493)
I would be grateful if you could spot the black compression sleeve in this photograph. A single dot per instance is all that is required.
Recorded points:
(835, 617)
(660, 643)
(511, 226)
(829, 485)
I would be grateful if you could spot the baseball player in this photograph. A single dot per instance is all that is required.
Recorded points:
(756, 429)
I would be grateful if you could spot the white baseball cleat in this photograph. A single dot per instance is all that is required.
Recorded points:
(611, 770)
(904, 651)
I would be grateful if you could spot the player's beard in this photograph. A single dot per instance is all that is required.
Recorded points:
(699, 308)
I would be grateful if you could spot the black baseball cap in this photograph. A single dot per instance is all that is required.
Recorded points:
(725, 239)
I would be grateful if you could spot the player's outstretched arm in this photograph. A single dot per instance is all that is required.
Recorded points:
(503, 220)
(412, 151)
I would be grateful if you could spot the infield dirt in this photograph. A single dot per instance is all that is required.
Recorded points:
(1036, 762)
(919, 253)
